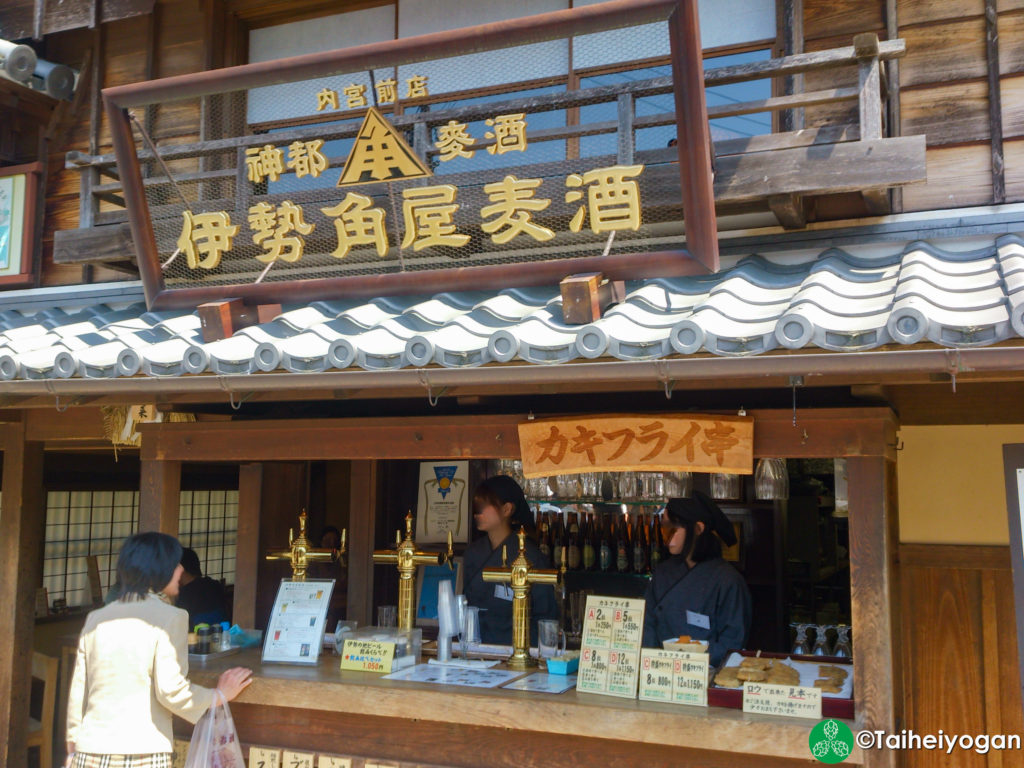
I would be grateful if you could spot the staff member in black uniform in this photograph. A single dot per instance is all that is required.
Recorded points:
(499, 508)
(696, 592)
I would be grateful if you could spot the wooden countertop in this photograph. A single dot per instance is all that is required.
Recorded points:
(326, 687)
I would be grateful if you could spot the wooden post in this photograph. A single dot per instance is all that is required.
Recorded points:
(694, 135)
(247, 549)
(362, 522)
(22, 530)
(870, 75)
(160, 496)
(791, 28)
(995, 106)
(874, 542)
(892, 31)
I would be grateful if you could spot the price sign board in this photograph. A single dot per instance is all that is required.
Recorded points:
(264, 757)
(297, 759)
(676, 677)
(333, 761)
(610, 656)
(785, 700)
(367, 655)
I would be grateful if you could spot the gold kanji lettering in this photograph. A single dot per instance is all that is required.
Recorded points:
(417, 87)
(326, 98)
(273, 230)
(718, 440)
(585, 441)
(652, 433)
(612, 201)
(357, 223)
(266, 161)
(687, 441)
(386, 91)
(514, 204)
(205, 237)
(509, 133)
(355, 96)
(553, 447)
(428, 213)
(453, 141)
(306, 158)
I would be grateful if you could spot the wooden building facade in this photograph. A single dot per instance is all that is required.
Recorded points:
(921, 427)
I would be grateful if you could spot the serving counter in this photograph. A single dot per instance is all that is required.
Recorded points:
(325, 710)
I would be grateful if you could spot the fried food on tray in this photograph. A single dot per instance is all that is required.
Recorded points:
(828, 685)
(755, 662)
(726, 678)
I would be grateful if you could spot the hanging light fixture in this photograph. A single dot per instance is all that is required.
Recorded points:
(771, 480)
(725, 486)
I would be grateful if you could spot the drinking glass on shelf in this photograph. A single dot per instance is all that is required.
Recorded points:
(678, 485)
(843, 649)
(801, 646)
(653, 485)
(558, 486)
(629, 486)
(725, 486)
(771, 480)
(537, 488)
(821, 640)
(550, 639)
(609, 488)
(387, 615)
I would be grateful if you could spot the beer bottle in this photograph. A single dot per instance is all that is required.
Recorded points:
(607, 548)
(556, 543)
(639, 545)
(575, 552)
(622, 546)
(589, 550)
(544, 536)
(657, 546)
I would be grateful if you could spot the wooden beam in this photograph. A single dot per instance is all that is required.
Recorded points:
(22, 529)
(870, 103)
(362, 524)
(849, 167)
(874, 539)
(160, 495)
(789, 210)
(892, 68)
(247, 548)
(93, 244)
(995, 106)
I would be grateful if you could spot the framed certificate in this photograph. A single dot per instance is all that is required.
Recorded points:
(296, 628)
(443, 502)
(19, 191)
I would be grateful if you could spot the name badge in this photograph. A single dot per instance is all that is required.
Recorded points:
(503, 591)
(698, 620)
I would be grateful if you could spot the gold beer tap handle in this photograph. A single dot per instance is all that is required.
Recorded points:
(449, 555)
(504, 556)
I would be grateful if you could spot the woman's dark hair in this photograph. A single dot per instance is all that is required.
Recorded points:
(146, 563)
(706, 546)
(501, 489)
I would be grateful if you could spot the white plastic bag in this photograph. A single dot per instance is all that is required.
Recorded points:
(214, 739)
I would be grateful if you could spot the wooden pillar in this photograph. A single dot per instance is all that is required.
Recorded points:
(874, 541)
(362, 522)
(247, 551)
(22, 530)
(160, 495)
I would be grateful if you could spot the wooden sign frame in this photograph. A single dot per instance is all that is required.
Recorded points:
(693, 133)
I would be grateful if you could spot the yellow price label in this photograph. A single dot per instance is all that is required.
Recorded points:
(264, 757)
(332, 761)
(367, 656)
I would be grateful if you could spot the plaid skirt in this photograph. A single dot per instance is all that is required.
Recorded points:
(158, 760)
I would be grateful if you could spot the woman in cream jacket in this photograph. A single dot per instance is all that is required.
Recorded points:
(132, 661)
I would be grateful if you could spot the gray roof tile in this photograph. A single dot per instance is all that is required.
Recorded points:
(836, 302)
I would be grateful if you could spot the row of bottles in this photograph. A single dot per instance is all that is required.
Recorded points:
(593, 542)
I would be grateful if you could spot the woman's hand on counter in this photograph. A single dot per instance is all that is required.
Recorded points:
(233, 681)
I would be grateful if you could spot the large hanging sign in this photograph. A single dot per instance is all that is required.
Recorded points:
(659, 442)
(378, 169)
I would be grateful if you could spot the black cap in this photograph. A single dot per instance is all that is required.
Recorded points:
(702, 508)
(508, 491)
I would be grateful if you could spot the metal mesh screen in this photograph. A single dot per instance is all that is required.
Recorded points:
(551, 150)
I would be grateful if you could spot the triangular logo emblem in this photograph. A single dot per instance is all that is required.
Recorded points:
(380, 154)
